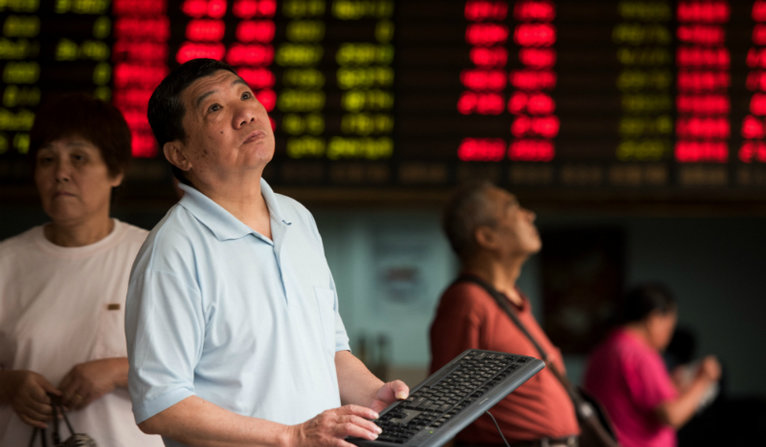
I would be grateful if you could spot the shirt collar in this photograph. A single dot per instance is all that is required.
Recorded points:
(222, 223)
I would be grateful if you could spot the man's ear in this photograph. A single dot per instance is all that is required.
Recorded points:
(174, 153)
(485, 236)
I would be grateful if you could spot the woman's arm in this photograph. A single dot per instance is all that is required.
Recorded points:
(678, 411)
(89, 381)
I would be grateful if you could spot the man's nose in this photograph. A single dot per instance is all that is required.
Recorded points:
(243, 116)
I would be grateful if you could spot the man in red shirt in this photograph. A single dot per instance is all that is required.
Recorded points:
(493, 236)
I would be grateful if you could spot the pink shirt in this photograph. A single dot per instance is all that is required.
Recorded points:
(630, 380)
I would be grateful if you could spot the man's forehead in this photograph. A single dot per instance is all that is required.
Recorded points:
(203, 87)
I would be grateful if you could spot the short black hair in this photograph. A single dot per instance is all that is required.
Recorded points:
(166, 110)
(643, 299)
(82, 115)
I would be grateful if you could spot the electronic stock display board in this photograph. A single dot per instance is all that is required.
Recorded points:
(652, 99)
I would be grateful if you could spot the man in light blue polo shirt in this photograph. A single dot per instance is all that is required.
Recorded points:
(234, 335)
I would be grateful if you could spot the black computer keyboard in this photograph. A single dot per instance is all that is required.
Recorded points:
(451, 398)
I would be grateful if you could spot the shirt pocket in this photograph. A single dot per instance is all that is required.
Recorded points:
(325, 298)
(110, 336)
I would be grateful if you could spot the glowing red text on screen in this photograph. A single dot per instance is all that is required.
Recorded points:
(138, 7)
(715, 11)
(756, 81)
(250, 54)
(256, 31)
(759, 34)
(759, 11)
(756, 58)
(268, 98)
(752, 128)
(486, 34)
(534, 103)
(703, 104)
(247, 9)
(534, 10)
(139, 52)
(478, 79)
(478, 10)
(703, 127)
(703, 80)
(193, 50)
(482, 103)
(702, 57)
(533, 79)
(133, 97)
(699, 151)
(257, 78)
(701, 34)
(544, 126)
(534, 125)
(538, 57)
(531, 150)
(485, 82)
(488, 57)
(205, 30)
(200, 8)
(142, 75)
(153, 28)
(535, 34)
(146, 51)
(758, 104)
(753, 151)
(481, 149)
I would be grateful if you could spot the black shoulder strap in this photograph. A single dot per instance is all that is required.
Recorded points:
(504, 304)
(502, 301)
(581, 403)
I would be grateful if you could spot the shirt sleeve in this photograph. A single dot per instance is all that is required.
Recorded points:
(647, 379)
(455, 328)
(164, 327)
(341, 336)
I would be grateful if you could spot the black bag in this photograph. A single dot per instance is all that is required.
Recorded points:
(596, 429)
(74, 439)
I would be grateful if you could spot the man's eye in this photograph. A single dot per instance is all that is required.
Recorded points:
(214, 108)
(247, 95)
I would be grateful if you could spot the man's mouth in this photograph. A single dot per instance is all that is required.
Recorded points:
(254, 136)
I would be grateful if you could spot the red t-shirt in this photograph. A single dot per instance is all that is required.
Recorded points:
(468, 317)
(630, 380)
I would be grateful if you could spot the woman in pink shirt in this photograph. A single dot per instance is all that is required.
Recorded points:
(627, 375)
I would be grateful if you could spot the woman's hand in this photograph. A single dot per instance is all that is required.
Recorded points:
(88, 381)
(27, 393)
(710, 369)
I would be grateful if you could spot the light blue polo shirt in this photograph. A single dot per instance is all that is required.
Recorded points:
(216, 310)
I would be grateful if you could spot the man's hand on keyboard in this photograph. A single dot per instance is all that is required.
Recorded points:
(331, 427)
(389, 393)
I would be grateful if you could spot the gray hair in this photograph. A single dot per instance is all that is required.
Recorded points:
(467, 209)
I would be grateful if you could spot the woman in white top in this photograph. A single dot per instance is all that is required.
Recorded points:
(63, 284)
